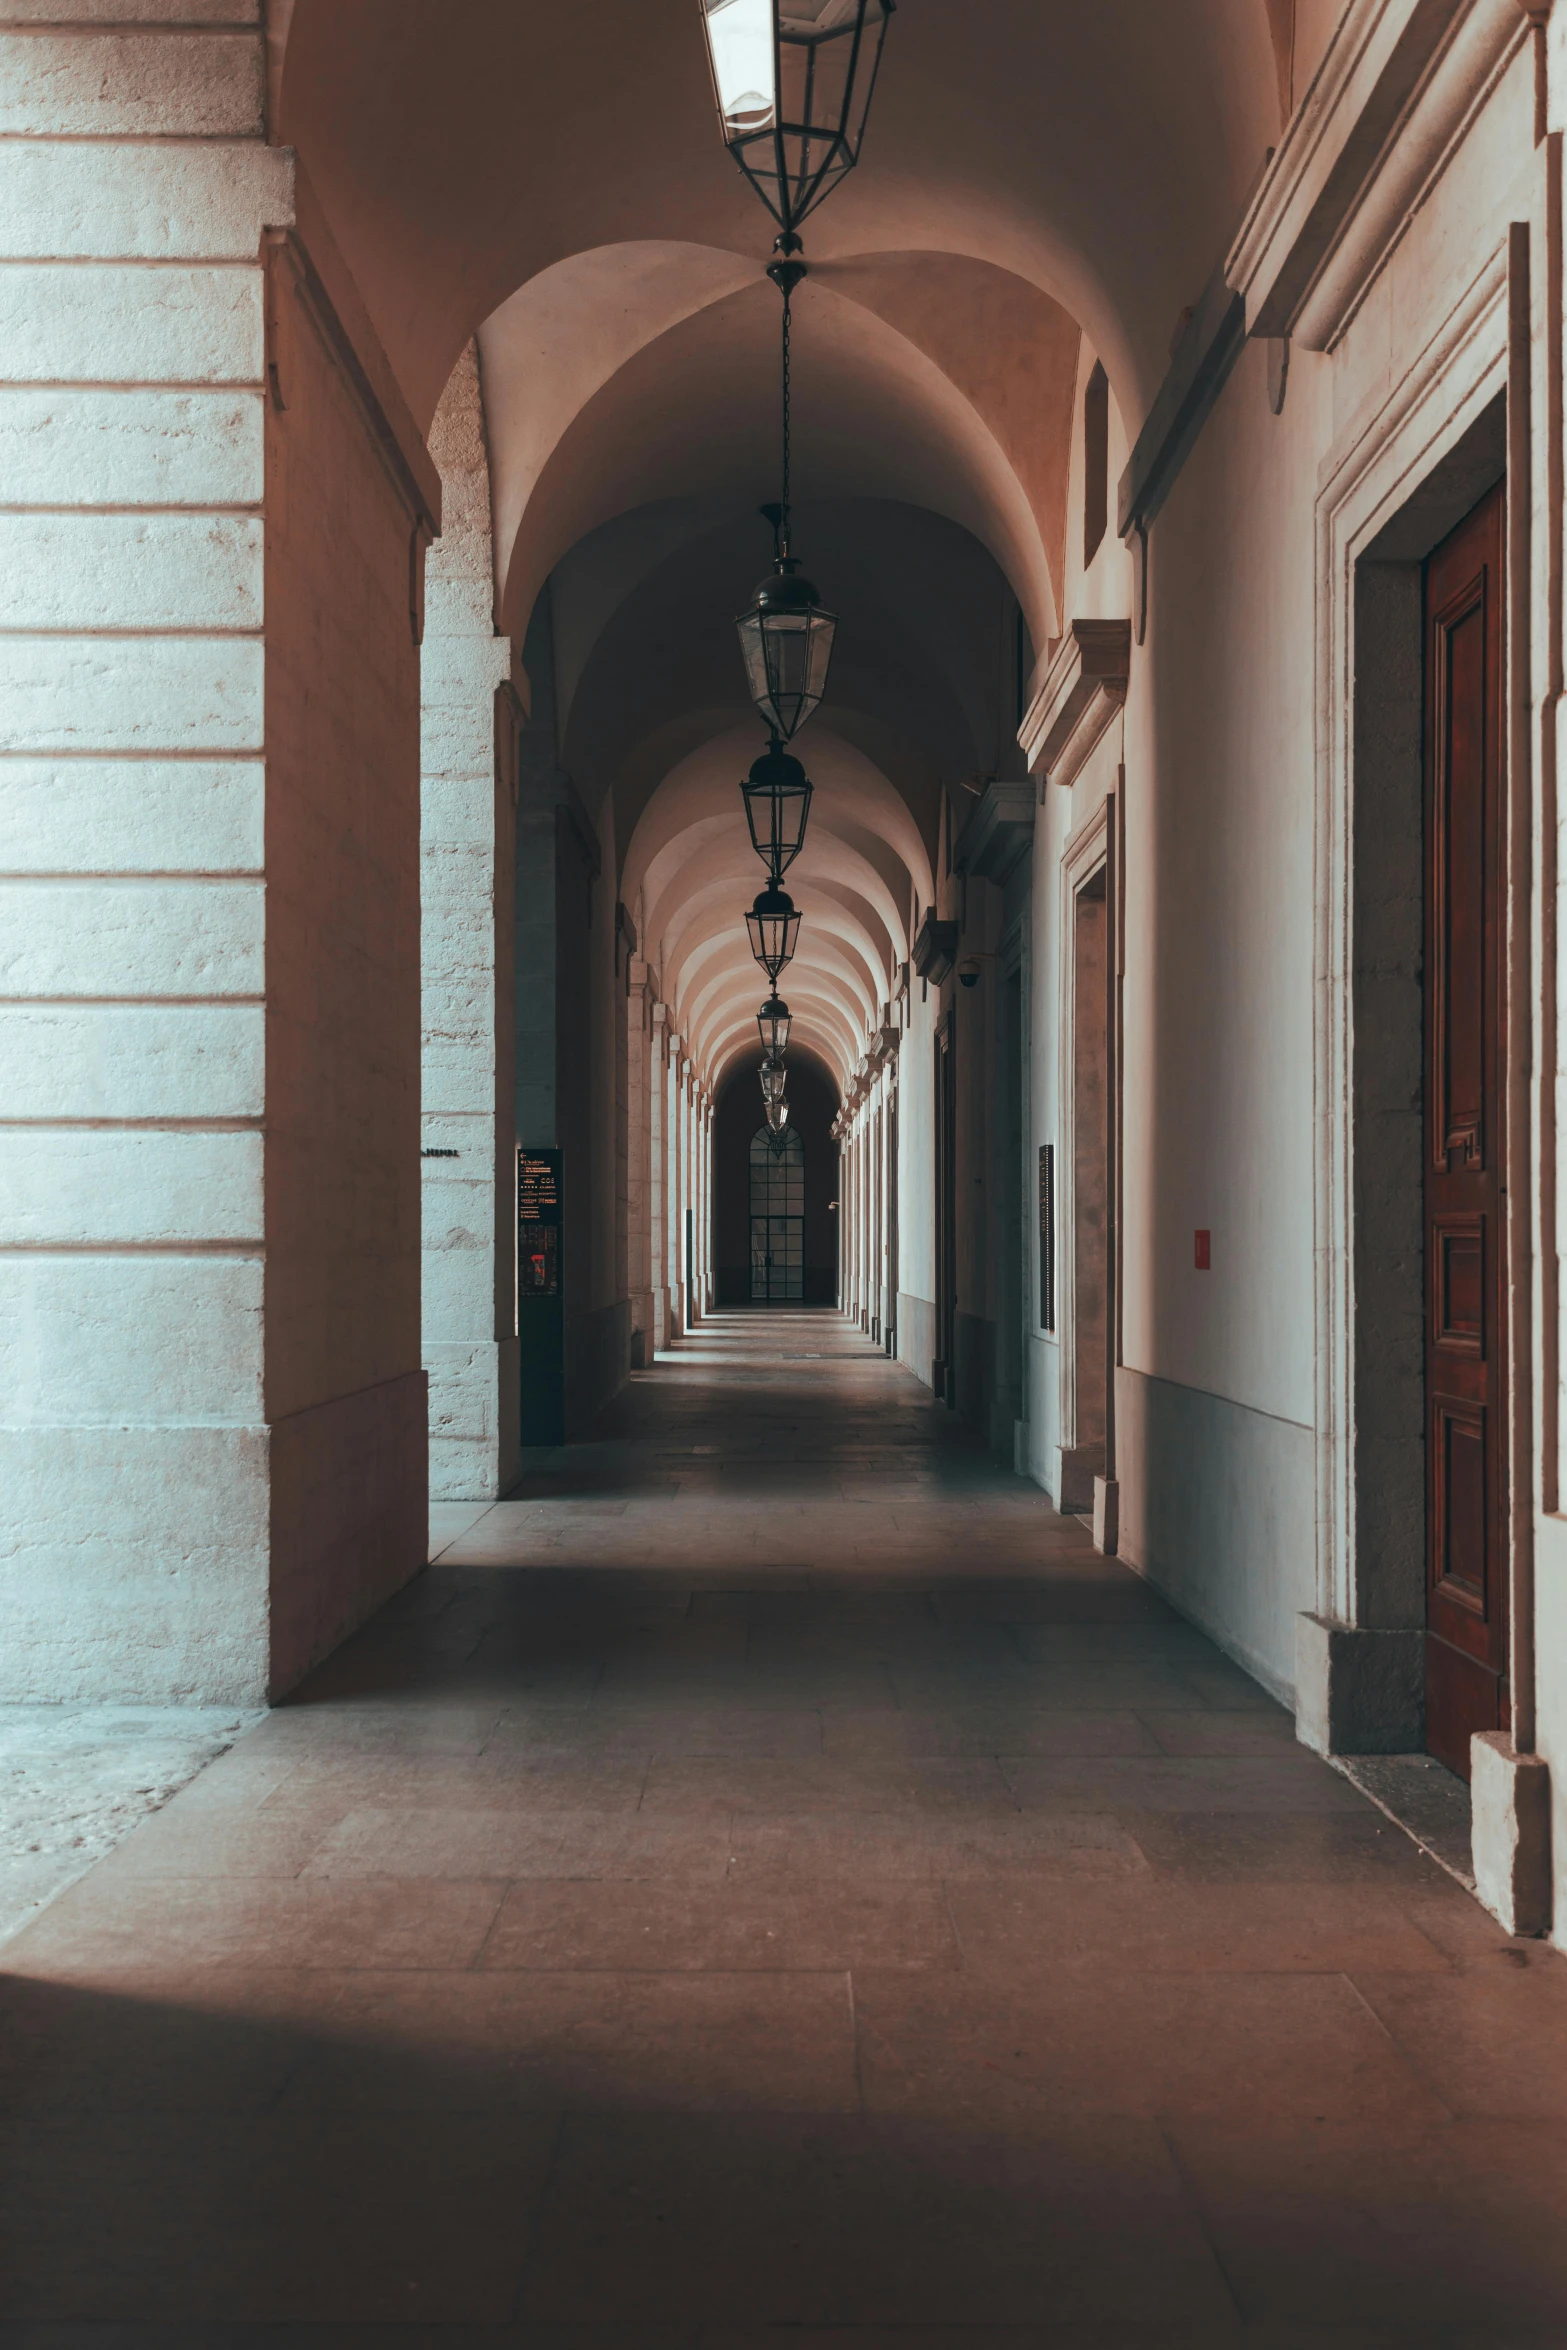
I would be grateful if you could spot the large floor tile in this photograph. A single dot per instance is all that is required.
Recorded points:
(1136, 2045)
(592, 2041)
(1490, 2037)
(1451, 2226)
(1021, 1932)
(864, 2224)
(292, 2216)
(407, 1846)
(779, 1925)
(308, 1921)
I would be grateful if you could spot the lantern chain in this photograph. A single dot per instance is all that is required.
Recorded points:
(784, 530)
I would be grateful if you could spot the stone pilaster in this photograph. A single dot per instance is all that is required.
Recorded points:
(658, 1171)
(639, 1166)
(467, 843)
(211, 1402)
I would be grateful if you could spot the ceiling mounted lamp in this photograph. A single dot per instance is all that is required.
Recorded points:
(772, 1023)
(774, 929)
(777, 795)
(793, 80)
(774, 1078)
(786, 634)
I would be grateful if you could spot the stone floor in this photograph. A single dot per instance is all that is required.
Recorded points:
(771, 1883)
(76, 1779)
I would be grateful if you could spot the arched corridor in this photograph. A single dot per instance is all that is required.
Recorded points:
(776, 1881)
(780, 1090)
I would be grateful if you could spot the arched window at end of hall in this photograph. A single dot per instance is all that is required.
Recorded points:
(777, 1218)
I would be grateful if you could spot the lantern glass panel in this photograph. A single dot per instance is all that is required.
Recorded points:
(774, 1078)
(787, 653)
(773, 927)
(745, 65)
(793, 80)
(772, 1023)
(777, 795)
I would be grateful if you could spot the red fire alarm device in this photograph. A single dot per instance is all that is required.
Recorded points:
(1204, 1252)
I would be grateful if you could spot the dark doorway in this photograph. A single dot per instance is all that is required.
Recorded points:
(813, 1105)
(777, 1218)
(1465, 1378)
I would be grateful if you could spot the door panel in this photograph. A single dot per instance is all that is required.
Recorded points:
(1466, 1401)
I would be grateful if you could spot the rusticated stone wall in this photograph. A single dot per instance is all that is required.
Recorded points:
(209, 1368)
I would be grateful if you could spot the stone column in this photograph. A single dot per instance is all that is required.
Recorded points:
(680, 1282)
(212, 1409)
(639, 1167)
(868, 1211)
(708, 1106)
(674, 1188)
(852, 1235)
(467, 852)
(658, 1171)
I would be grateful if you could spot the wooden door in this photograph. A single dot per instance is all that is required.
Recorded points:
(1090, 1184)
(1465, 1370)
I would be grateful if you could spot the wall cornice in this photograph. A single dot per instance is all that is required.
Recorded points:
(1084, 687)
(998, 832)
(1393, 96)
(935, 948)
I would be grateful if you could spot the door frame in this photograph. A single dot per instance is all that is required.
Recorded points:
(1381, 500)
(1090, 851)
(1465, 1371)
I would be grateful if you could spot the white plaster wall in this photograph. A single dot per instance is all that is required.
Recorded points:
(1218, 1398)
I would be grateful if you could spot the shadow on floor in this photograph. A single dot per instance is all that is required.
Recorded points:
(719, 1909)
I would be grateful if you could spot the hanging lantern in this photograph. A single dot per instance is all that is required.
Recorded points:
(774, 928)
(777, 1116)
(786, 643)
(772, 1023)
(774, 1077)
(777, 795)
(793, 80)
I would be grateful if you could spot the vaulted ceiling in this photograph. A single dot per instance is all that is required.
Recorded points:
(550, 178)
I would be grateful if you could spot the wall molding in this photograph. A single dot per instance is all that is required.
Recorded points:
(1200, 367)
(1397, 88)
(1086, 853)
(1375, 471)
(999, 832)
(1084, 688)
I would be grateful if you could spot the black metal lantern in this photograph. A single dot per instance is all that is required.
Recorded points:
(774, 1078)
(793, 81)
(777, 1116)
(774, 927)
(772, 1023)
(786, 639)
(777, 795)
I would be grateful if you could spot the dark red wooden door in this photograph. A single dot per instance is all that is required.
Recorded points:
(1466, 1397)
